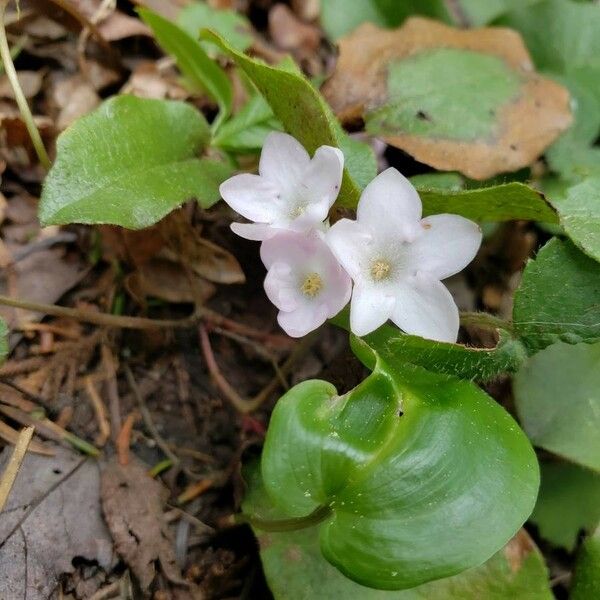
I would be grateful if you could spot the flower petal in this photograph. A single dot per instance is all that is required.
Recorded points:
(252, 197)
(390, 203)
(306, 318)
(446, 246)
(289, 246)
(253, 231)
(370, 308)
(324, 177)
(348, 241)
(281, 287)
(283, 161)
(425, 307)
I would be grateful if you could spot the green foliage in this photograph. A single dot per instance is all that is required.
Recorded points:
(130, 163)
(229, 24)
(3, 341)
(568, 503)
(395, 460)
(193, 61)
(557, 399)
(586, 579)
(503, 202)
(431, 95)
(296, 570)
(559, 298)
(298, 106)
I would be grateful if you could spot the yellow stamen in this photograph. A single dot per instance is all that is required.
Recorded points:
(380, 270)
(312, 285)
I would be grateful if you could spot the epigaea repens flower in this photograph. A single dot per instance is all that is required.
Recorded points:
(291, 191)
(304, 280)
(397, 260)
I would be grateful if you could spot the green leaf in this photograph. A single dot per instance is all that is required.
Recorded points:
(559, 298)
(558, 401)
(233, 26)
(477, 12)
(129, 163)
(504, 202)
(193, 61)
(396, 460)
(438, 182)
(360, 159)
(568, 503)
(296, 570)
(586, 579)
(3, 341)
(298, 105)
(337, 20)
(579, 214)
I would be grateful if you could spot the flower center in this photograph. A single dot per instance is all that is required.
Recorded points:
(312, 285)
(298, 211)
(380, 269)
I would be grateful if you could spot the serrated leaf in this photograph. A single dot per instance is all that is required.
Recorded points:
(396, 460)
(579, 213)
(503, 202)
(559, 298)
(586, 578)
(568, 503)
(296, 570)
(233, 26)
(297, 105)
(557, 395)
(414, 87)
(129, 163)
(193, 61)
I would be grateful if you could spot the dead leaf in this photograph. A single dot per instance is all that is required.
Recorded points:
(52, 517)
(30, 82)
(524, 124)
(118, 26)
(75, 97)
(290, 33)
(518, 549)
(148, 80)
(167, 280)
(133, 505)
(169, 9)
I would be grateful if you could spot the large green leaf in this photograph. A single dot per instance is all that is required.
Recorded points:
(296, 570)
(423, 475)
(586, 579)
(298, 106)
(559, 298)
(568, 503)
(130, 163)
(579, 213)
(193, 61)
(503, 202)
(557, 394)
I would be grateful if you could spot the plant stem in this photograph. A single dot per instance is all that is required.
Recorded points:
(293, 524)
(484, 320)
(26, 115)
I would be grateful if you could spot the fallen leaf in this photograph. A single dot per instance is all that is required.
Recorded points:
(169, 9)
(118, 26)
(30, 82)
(464, 100)
(290, 33)
(75, 97)
(150, 81)
(51, 518)
(133, 505)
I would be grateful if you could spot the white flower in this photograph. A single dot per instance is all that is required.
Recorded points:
(304, 280)
(292, 191)
(397, 260)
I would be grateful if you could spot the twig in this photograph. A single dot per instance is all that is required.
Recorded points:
(114, 401)
(10, 435)
(10, 473)
(11, 73)
(100, 411)
(244, 405)
(124, 438)
(195, 490)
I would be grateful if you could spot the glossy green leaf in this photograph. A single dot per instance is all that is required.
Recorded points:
(296, 570)
(438, 182)
(503, 202)
(396, 460)
(586, 579)
(297, 105)
(246, 131)
(129, 163)
(579, 213)
(337, 20)
(233, 26)
(192, 60)
(557, 395)
(568, 503)
(559, 298)
(480, 12)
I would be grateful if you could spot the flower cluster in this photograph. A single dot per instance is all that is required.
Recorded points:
(395, 258)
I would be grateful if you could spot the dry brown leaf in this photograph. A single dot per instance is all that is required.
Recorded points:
(133, 505)
(30, 82)
(169, 9)
(290, 33)
(525, 126)
(118, 26)
(150, 81)
(52, 517)
(75, 97)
